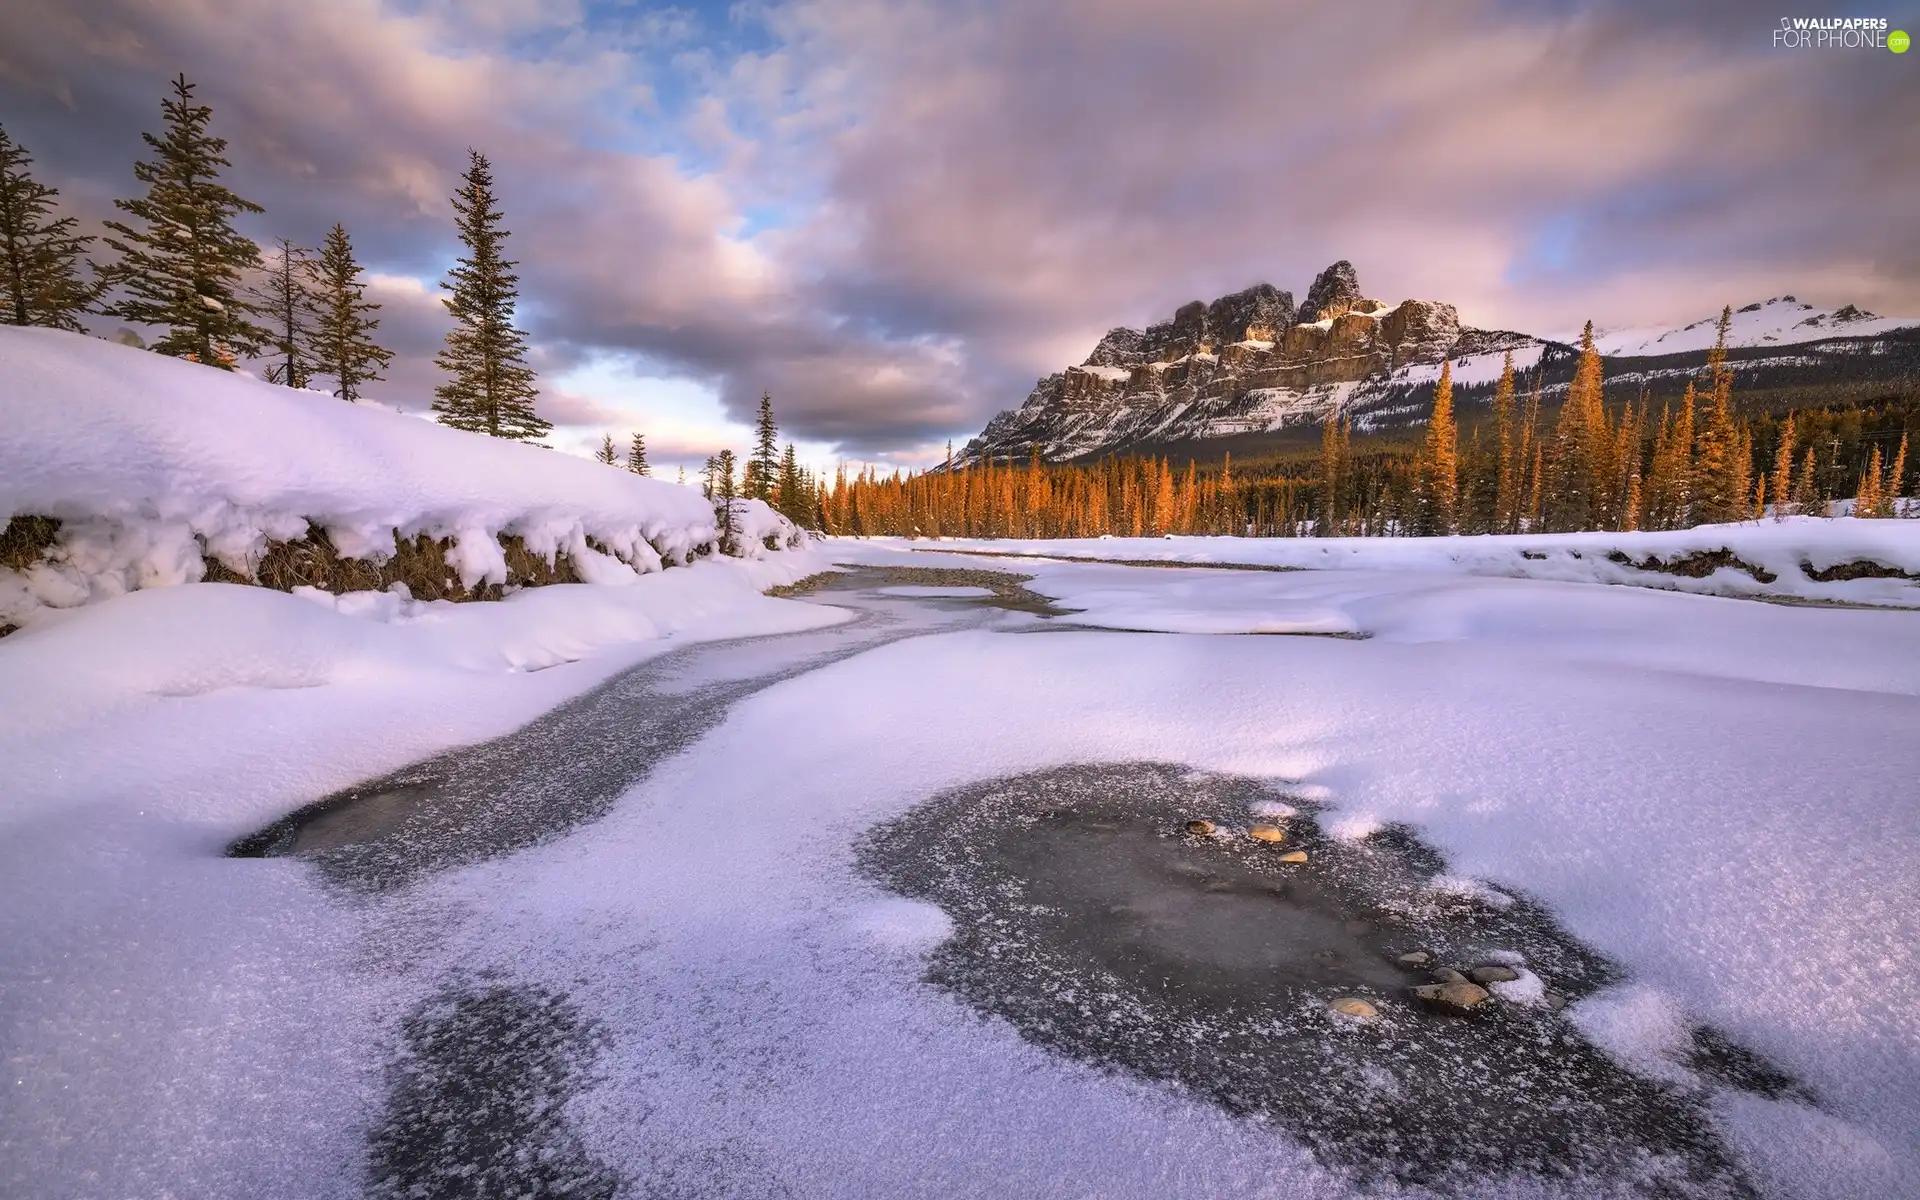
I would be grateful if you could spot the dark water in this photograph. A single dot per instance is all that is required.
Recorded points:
(1087, 917)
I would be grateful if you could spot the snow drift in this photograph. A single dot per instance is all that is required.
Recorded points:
(1832, 560)
(155, 467)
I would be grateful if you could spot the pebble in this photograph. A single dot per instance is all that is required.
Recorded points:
(1200, 828)
(1457, 998)
(1494, 974)
(1414, 958)
(1294, 856)
(1267, 833)
(1448, 975)
(1556, 1000)
(1353, 1006)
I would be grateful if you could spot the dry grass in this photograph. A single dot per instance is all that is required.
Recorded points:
(26, 540)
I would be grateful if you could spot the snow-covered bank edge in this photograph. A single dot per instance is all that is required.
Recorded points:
(122, 470)
(1837, 561)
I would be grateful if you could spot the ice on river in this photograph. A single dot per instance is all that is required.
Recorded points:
(1717, 794)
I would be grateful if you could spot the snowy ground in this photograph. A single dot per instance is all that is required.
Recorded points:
(1716, 794)
(1784, 549)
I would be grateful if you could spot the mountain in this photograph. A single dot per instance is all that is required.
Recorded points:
(1250, 372)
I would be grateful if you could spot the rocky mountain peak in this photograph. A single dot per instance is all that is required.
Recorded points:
(1334, 292)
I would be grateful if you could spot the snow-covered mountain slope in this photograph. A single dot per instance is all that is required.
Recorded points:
(1247, 366)
(1781, 321)
(154, 467)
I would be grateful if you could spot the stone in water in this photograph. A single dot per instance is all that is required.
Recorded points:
(1267, 833)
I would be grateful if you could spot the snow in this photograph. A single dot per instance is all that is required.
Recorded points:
(1779, 547)
(1779, 321)
(915, 591)
(1715, 794)
(1474, 370)
(147, 459)
(1110, 374)
(1710, 791)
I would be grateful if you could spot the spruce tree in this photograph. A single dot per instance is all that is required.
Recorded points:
(1506, 492)
(286, 300)
(1579, 472)
(1806, 489)
(343, 333)
(763, 465)
(792, 491)
(1437, 488)
(39, 253)
(1332, 473)
(606, 453)
(1721, 462)
(184, 263)
(637, 455)
(490, 387)
(725, 493)
(1782, 485)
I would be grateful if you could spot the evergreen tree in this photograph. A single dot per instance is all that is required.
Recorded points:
(1867, 500)
(490, 387)
(343, 333)
(40, 281)
(1806, 489)
(183, 265)
(637, 455)
(286, 300)
(606, 453)
(1437, 490)
(1579, 467)
(725, 493)
(1782, 486)
(708, 475)
(1721, 459)
(1506, 492)
(793, 492)
(763, 466)
(1332, 471)
(1895, 475)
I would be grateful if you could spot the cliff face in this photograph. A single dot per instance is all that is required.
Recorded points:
(1252, 364)
(1245, 363)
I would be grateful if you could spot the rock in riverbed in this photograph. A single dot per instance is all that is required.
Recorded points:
(1267, 833)
(1294, 856)
(1458, 999)
(1353, 1006)
(1414, 958)
(1200, 828)
(1494, 974)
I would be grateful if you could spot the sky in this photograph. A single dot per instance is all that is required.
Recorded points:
(894, 215)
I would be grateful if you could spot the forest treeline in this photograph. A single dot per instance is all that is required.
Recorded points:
(1588, 467)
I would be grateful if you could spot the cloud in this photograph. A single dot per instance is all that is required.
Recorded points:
(894, 215)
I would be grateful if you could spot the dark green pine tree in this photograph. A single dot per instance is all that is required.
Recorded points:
(606, 453)
(183, 265)
(725, 492)
(763, 467)
(286, 300)
(343, 344)
(39, 253)
(792, 491)
(637, 455)
(490, 389)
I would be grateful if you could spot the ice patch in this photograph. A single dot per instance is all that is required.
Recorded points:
(1352, 827)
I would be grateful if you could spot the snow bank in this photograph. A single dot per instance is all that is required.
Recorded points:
(1791, 551)
(154, 465)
